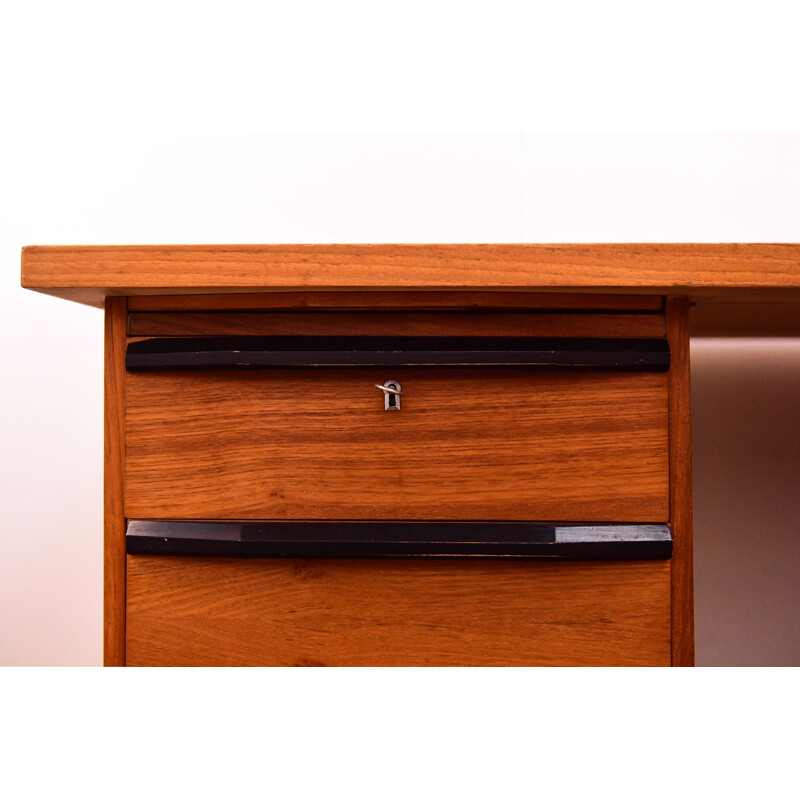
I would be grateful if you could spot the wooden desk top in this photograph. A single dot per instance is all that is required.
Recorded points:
(736, 289)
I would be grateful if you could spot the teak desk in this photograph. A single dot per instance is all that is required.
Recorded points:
(406, 454)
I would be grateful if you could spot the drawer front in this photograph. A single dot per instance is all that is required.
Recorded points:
(311, 612)
(468, 443)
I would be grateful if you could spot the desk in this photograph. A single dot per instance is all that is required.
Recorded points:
(601, 446)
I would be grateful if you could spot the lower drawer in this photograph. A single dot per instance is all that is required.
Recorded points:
(313, 612)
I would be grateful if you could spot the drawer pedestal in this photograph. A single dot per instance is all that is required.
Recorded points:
(506, 428)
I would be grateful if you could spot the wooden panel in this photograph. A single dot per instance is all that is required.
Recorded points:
(667, 268)
(242, 612)
(680, 482)
(395, 324)
(469, 443)
(113, 515)
(397, 301)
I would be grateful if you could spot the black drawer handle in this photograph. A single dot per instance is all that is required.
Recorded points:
(398, 540)
(259, 352)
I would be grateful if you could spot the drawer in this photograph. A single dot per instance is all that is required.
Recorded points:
(475, 442)
(312, 612)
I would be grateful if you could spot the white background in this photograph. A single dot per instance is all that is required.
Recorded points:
(157, 122)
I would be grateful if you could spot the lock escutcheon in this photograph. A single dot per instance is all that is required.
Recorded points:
(391, 395)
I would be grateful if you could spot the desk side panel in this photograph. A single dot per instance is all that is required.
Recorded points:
(114, 471)
(680, 482)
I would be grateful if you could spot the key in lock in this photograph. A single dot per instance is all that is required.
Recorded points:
(391, 395)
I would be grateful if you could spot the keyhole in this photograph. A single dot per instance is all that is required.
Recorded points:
(391, 395)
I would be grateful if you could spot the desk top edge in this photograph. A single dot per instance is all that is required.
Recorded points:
(711, 274)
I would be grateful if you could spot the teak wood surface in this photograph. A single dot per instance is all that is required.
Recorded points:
(153, 269)
(307, 612)
(680, 482)
(469, 443)
(391, 323)
(733, 286)
(114, 468)
(343, 301)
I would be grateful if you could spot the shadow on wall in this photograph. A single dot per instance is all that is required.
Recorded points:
(746, 463)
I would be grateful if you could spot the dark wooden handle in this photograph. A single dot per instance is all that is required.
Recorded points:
(259, 352)
(398, 540)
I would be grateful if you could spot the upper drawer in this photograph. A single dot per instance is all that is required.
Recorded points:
(476, 442)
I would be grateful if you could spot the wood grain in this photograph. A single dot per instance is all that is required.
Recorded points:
(114, 459)
(414, 323)
(397, 301)
(263, 612)
(469, 443)
(680, 482)
(88, 274)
